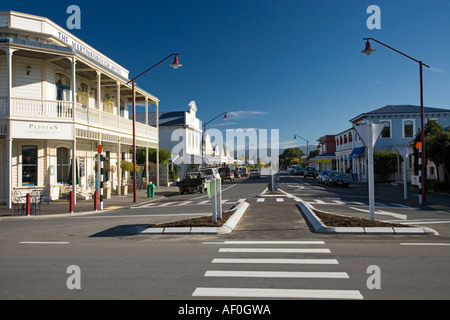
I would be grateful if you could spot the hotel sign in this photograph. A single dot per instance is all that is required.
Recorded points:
(41, 130)
(84, 49)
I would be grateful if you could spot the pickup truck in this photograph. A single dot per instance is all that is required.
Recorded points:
(192, 181)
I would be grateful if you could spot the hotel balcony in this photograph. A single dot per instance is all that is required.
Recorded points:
(89, 121)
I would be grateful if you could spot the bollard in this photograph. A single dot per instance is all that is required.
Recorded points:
(28, 204)
(95, 200)
(71, 202)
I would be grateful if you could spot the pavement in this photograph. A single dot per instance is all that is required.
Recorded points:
(435, 201)
(62, 206)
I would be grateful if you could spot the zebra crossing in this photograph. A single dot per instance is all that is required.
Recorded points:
(185, 203)
(200, 203)
(274, 269)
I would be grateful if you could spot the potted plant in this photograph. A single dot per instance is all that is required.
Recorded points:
(108, 103)
(127, 166)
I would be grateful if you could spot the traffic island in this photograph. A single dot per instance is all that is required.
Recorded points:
(332, 224)
(200, 225)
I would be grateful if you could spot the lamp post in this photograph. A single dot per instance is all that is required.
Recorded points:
(204, 129)
(174, 65)
(307, 143)
(368, 50)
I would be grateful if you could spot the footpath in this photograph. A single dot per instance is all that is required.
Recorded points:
(62, 206)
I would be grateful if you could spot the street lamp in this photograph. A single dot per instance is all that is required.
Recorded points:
(307, 143)
(368, 50)
(174, 65)
(204, 129)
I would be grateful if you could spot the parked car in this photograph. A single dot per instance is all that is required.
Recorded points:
(323, 175)
(211, 173)
(291, 170)
(337, 179)
(310, 172)
(192, 181)
(254, 173)
(226, 173)
(244, 171)
(299, 172)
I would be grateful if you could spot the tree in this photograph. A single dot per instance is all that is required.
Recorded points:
(437, 146)
(384, 164)
(286, 158)
(164, 155)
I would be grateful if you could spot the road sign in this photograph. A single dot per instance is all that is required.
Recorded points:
(99, 149)
(369, 133)
(367, 129)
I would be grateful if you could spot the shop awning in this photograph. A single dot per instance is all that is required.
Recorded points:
(356, 152)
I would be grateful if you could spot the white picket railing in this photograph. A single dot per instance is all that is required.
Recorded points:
(53, 109)
(41, 108)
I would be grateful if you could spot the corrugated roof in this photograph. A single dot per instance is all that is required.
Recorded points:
(400, 109)
(393, 109)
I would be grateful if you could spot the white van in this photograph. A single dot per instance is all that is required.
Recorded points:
(211, 173)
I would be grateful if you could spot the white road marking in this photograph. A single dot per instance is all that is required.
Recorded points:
(276, 274)
(424, 244)
(277, 293)
(386, 213)
(276, 261)
(274, 250)
(44, 242)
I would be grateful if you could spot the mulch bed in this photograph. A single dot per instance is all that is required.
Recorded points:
(205, 221)
(331, 220)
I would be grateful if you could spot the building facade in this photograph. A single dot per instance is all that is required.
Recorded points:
(60, 97)
(181, 133)
(401, 124)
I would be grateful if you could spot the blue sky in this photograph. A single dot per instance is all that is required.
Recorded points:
(293, 65)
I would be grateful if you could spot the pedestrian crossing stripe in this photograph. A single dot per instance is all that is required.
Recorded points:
(277, 293)
(265, 249)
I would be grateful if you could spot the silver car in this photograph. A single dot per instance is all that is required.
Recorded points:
(323, 175)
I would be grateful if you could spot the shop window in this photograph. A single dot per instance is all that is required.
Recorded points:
(29, 165)
(62, 165)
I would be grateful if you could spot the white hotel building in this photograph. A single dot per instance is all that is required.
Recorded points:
(59, 97)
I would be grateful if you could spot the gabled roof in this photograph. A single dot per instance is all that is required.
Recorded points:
(400, 109)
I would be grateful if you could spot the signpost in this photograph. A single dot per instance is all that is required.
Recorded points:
(405, 152)
(214, 187)
(369, 133)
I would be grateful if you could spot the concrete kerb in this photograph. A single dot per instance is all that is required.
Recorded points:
(320, 227)
(227, 227)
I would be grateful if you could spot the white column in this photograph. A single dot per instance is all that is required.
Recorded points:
(9, 66)
(119, 171)
(99, 76)
(74, 142)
